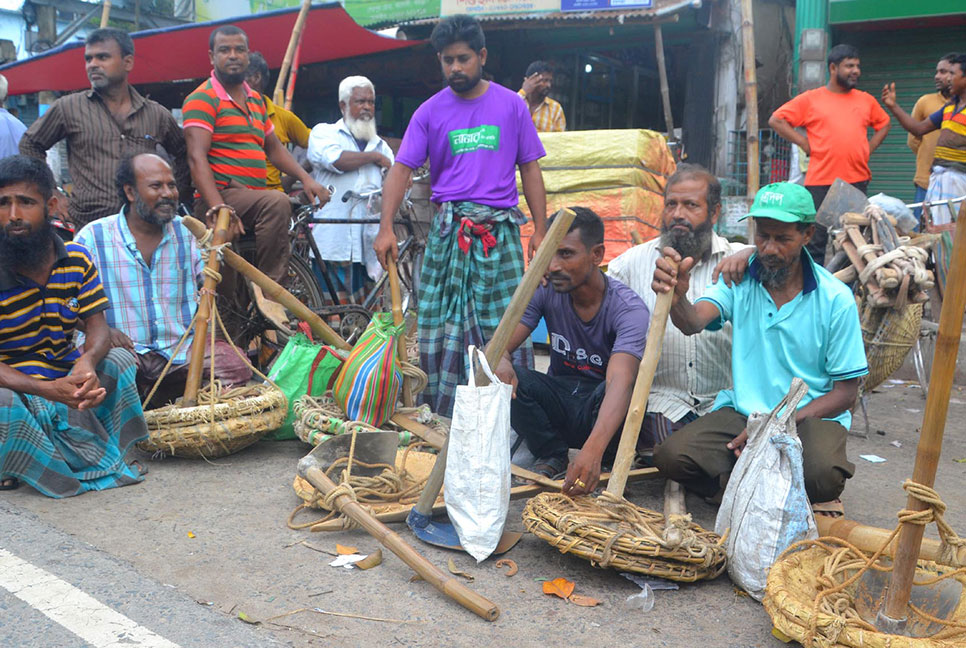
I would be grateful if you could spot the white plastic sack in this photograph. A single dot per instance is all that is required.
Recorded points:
(765, 505)
(477, 480)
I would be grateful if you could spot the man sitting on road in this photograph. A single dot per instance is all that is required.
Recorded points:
(597, 331)
(67, 418)
(790, 318)
(690, 372)
(150, 268)
(350, 156)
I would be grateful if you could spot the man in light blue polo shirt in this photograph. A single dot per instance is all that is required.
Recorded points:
(790, 318)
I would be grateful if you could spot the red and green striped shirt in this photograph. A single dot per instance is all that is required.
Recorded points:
(237, 137)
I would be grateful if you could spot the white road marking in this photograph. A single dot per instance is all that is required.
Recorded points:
(77, 611)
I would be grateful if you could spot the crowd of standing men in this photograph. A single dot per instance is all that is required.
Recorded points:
(129, 281)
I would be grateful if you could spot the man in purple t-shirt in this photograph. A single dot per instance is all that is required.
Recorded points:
(475, 133)
(597, 331)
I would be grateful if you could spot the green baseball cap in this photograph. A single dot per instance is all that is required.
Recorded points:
(783, 201)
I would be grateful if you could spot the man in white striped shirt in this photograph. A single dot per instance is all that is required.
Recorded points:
(692, 370)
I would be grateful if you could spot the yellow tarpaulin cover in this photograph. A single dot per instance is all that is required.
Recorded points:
(620, 174)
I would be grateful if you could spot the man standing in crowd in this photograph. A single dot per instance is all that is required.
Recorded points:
(692, 370)
(476, 133)
(67, 418)
(547, 114)
(150, 268)
(836, 118)
(101, 126)
(11, 128)
(288, 127)
(597, 331)
(350, 155)
(925, 147)
(948, 177)
(230, 137)
(790, 318)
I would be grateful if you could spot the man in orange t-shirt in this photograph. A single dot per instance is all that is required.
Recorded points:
(836, 118)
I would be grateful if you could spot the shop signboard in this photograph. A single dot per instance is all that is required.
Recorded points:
(598, 5)
(489, 7)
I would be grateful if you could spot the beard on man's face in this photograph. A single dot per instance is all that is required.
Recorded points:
(691, 242)
(231, 78)
(26, 251)
(772, 273)
(461, 83)
(361, 128)
(161, 214)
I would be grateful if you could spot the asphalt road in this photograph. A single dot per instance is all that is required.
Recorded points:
(131, 551)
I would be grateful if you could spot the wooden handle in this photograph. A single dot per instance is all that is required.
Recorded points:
(105, 13)
(309, 469)
(279, 95)
(627, 447)
(501, 337)
(398, 318)
(871, 539)
(933, 422)
(273, 290)
(197, 361)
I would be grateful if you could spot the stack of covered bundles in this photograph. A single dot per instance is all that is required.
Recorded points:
(620, 174)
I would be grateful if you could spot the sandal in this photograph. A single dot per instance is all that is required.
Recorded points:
(9, 484)
(833, 509)
(138, 466)
(550, 467)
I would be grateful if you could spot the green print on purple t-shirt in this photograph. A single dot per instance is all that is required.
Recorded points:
(467, 140)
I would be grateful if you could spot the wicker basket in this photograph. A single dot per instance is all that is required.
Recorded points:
(238, 419)
(888, 335)
(623, 536)
(790, 600)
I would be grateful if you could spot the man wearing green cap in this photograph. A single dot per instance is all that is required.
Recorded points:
(790, 318)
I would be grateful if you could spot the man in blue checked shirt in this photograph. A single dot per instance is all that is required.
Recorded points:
(150, 267)
(790, 318)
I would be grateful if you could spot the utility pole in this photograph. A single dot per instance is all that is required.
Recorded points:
(46, 32)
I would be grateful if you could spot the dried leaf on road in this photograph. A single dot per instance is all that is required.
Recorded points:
(372, 560)
(583, 601)
(344, 550)
(559, 587)
(453, 569)
(190, 534)
(506, 562)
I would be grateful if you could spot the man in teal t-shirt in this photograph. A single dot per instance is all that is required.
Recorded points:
(790, 318)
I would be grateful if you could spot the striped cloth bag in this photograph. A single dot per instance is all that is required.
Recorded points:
(368, 385)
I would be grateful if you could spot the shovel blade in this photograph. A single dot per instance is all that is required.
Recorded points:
(440, 534)
(939, 600)
(842, 198)
(370, 448)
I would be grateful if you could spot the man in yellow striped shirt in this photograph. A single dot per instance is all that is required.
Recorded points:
(547, 114)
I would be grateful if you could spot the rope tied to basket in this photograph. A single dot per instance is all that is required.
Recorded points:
(833, 609)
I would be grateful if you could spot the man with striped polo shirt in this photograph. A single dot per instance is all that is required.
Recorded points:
(67, 417)
(229, 138)
(790, 318)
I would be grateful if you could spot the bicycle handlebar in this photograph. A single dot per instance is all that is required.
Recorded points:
(365, 195)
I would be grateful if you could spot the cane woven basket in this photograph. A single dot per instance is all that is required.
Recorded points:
(612, 532)
(237, 419)
(793, 600)
(888, 335)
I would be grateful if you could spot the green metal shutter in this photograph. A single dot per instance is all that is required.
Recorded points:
(907, 57)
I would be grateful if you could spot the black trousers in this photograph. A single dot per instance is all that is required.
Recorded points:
(555, 413)
(816, 247)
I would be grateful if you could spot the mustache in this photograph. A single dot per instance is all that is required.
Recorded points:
(551, 276)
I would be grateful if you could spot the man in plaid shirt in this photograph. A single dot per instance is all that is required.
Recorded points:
(547, 114)
(150, 267)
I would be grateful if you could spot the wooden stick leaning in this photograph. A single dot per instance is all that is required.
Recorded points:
(498, 343)
(279, 96)
(212, 264)
(642, 389)
(398, 318)
(105, 13)
(273, 290)
(310, 470)
(933, 424)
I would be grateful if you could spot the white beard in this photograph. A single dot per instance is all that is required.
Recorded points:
(361, 129)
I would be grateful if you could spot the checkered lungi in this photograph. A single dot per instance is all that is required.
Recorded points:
(945, 183)
(463, 294)
(62, 451)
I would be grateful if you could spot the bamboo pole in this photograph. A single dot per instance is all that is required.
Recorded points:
(273, 290)
(290, 88)
(105, 13)
(627, 447)
(279, 96)
(751, 104)
(870, 539)
(398, 318)
(501, 337)
(893, 611)
(662, 76)
(197, 361)
(310, 470)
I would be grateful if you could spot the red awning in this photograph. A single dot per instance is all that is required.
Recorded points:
(176, 53)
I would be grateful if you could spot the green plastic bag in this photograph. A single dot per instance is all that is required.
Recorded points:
(291, 373)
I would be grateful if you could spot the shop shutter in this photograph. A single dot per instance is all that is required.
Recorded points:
(907, 57)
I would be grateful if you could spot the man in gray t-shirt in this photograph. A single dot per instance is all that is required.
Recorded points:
(597, 331)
